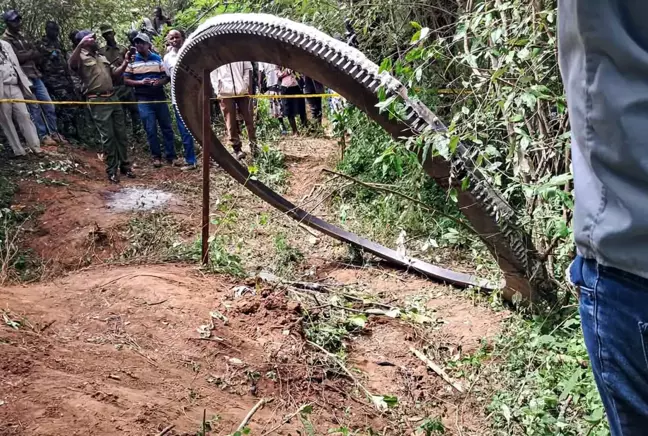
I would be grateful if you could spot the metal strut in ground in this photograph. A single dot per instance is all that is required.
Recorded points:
(266, 38)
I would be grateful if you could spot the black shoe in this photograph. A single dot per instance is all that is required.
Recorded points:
(129, 173)
(112, 178)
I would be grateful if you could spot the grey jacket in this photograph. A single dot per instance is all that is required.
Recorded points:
(603, 51)
(23, 81)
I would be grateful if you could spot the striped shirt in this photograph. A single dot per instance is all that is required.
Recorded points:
(149, 67)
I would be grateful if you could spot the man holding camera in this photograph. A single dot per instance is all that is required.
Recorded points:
(97, 75)
(115, 54)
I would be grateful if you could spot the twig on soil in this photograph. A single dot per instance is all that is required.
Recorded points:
(46, 326)
(151, 361)
(286, 420)
(155, 303)
(308, 229)
(437, 369)
(262, 402)
(339, 363)
(166, 430)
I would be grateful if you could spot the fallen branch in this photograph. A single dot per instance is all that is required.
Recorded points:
(405, 196)
(166, 430)
(436, 368)
(262, 402)
(286, 420)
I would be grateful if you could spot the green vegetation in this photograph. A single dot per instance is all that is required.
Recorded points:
(17, 264)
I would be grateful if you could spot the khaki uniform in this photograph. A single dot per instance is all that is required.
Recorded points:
(96, 75)
(12, 83)
(115, 56)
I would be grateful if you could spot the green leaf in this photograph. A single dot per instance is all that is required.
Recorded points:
(454, 141)
(306, 409)
(506, 412)
(416, 37)
(359, 320)
(569, 386)
(383, 105)
(391, 401)
(385, 65)
(595, 417)
(415, 25)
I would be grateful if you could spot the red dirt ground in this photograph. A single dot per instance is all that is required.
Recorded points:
(114, 350)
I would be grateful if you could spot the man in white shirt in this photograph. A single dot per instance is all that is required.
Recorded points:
(175, 39)
(232, 84)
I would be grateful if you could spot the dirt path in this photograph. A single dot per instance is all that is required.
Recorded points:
(114, 349)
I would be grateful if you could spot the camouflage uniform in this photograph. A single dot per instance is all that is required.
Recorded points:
(59, 83)
(115, 56)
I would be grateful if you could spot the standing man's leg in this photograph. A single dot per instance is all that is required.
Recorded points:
(187, 142)
(315, 105)
(614, 318)
(247, 111)
(301, 109)
(9, 129)
(22, 117)
(164, 120)
(118, 119)
(147, 114)
(228, 107)
(126, 96)
(49, 126)
(102, 116)
(289, 111)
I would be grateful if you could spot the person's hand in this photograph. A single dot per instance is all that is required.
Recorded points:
(128, 57)
(155, 82)
(87, 41)
(147, 82)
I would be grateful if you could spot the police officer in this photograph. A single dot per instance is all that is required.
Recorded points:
(57, 78)
(115, 54)
(97, 75)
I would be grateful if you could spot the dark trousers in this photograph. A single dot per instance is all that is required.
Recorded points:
(109, 119)
(152, 115)
(229, 107)
(187, 140)
(126, 95)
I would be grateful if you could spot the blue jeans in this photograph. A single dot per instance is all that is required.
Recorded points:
(152, 115)
(42, 113)
(187, 140)
(614, 317)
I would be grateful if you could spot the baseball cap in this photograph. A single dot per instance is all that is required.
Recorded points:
(105, 28)
(11, 15)
(142, 37)
(82, 34)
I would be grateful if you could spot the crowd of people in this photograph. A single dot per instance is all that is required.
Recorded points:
(117, 80)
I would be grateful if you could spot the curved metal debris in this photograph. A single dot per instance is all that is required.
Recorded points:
(266, 38)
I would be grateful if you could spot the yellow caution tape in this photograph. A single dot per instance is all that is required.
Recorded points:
(258, 96)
